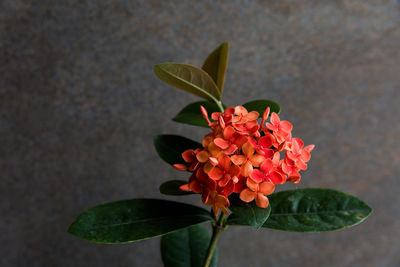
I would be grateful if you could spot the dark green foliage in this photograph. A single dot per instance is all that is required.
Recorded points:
(261, 105)
(172, 188)
(170, 147)
(191, 113)
(216, 64)
(186, 247)
(315, 210)
(246, 213)
(135, 219)
(188, 78)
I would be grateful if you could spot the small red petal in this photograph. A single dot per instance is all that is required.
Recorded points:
(298, 141)
(215, 115)
(267, 166)
(240, 140)
(238, 159)
(248, 149)
(285, 168)
(185, 187)
(205, 196)
(231, 149)
(193, 166)
(224, 161)
(266, 141)
(224, 181)
(196, 187)
(240, 110)
(247, 168)
(221, 143)
(301, 165)
(256, 160)
(221, 122)
(305, 155)
(202, 156)
(267, 188)
(247, 195)
(229, 131)
(309, 148)
(234, 170)
(275, 119)
(227, 189)
(276, 177)
(205, 114)
(252, 185)
(239, 186)
(180, 167)
(286, 126)
(213, 161)
(265, 116)
(262, 201)
(215, 173)
(253, 115)
(188, 155)
(257, 176)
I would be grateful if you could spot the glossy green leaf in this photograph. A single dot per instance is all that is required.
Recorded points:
(315, 210)
(261, 105)
(246, 213)
(187, 247)
(188, 78)
(216, 63)
(170, 147)
(191, 113)
(172, 188)
(135, 219)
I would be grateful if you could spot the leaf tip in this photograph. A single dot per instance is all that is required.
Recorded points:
(225, 45)
(156, 67)
(72, 229)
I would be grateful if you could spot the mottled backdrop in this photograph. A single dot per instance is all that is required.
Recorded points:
(79, 105)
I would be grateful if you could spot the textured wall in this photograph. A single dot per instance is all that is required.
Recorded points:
(80, 104)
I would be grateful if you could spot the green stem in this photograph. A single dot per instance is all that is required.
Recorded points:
(219, 104)
(218, 228)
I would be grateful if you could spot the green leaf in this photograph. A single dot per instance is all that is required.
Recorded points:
(246, 213)
(187, 248)
(170, 147)
(315, 210)
(135, 219)
(188, 78)
(172, 188)
(216, 63)
(261, 105)
(191, 113)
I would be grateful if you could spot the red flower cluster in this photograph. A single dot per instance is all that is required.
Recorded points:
(242, 156)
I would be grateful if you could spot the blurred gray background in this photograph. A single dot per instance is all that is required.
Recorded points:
(80, 104)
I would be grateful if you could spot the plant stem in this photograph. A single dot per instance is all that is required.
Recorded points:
(221, 107)
(218, 228)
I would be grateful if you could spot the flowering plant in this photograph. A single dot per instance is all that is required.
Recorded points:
(236, 168)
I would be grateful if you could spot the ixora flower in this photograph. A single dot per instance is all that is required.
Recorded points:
(242, 156)
(247, 154)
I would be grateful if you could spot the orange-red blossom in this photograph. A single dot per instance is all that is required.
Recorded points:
(242, 156)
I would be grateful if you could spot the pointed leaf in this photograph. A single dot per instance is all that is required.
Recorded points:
(135, 219)
(187, 248)
(246, 213)
(170, 147)
(188, 78)
(315, 210)
(191, 113)
(261, 105)
(216, 63)
(172, 188)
